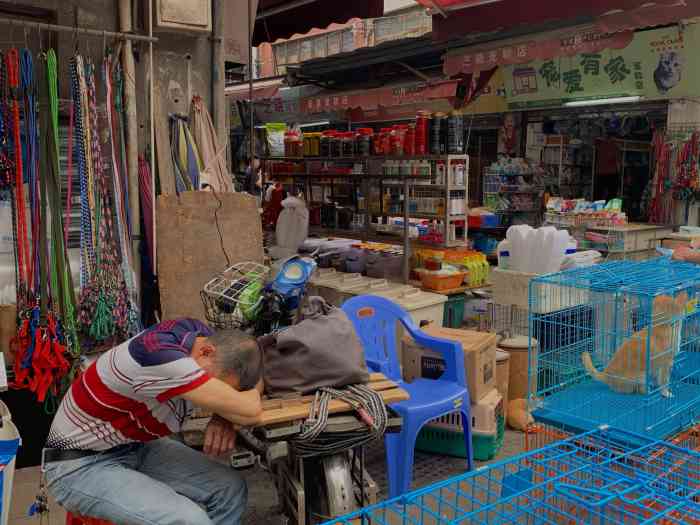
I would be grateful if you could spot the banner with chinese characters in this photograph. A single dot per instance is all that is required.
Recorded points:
(657, 64)
(380, 97)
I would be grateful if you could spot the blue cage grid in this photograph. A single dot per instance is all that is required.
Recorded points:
(599, 310)
(595, 478)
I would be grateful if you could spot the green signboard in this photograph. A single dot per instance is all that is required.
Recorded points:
(657, 64)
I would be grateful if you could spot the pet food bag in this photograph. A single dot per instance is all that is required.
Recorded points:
(275, 138)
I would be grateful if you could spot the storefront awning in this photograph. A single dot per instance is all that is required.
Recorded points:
(462, 18)
(613, 30)
(381, 97)
(261, 90)
(283, 18)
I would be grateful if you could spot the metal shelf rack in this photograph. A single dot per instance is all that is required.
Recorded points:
(372, 183)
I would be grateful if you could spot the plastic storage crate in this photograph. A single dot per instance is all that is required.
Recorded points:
(444, 435)
(594, 478)
(626, 302)
(454, 311)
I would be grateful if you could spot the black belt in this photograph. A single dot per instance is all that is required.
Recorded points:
(52, 455)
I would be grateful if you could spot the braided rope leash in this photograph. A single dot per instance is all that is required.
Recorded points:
(368, 405)
(86, 246)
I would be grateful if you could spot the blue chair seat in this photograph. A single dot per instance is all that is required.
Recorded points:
(426, 394)
(375, 320)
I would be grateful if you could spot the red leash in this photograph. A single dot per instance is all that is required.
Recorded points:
(23, 262)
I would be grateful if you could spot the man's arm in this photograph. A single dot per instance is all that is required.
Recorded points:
(240, 408)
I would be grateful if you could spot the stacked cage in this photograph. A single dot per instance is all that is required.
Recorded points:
(618, 345)
(594, 478)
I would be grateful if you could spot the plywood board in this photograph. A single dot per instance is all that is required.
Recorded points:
(288, 410)
(189, 248)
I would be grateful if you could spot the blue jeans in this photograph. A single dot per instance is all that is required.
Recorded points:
(163, 482)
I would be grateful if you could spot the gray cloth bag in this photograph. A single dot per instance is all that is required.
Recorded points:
(321, 351)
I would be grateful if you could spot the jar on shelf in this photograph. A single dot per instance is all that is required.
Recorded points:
(409, 140)
(364, 142)
(336, 144)
(348, 144)
(438, 134)
(325, 143)
(377, 146)
(386, 141)
(455, 133)
(421, 134)
(459, 173)
(312, 144)
(396, 142)
(291, 144)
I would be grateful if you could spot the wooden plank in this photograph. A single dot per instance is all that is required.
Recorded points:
(301, 410)
(273, 404)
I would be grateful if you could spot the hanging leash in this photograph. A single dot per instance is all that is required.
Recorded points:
(12, 64)
(87, 255)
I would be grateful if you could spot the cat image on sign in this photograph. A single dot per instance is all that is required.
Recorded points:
(669, 71)
(626, 372)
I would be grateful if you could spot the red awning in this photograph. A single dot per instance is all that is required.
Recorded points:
(381, 97)
(261, 90)
(283, 18)
(506, 14)
(612, 30)
(648, 15)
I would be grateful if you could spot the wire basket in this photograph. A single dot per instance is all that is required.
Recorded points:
(593, 478)
(233, 298)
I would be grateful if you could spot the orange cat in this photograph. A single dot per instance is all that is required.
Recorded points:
(626, 371)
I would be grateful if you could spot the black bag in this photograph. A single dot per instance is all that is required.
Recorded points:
(323, 350)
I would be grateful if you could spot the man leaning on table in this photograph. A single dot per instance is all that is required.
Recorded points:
(108, 454)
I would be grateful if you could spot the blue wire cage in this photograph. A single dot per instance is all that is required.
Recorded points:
(618, 345)
(595, 478)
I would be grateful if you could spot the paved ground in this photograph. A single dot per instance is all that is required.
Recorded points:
(428, 469)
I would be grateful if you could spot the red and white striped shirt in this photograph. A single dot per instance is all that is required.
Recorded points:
(132, 392)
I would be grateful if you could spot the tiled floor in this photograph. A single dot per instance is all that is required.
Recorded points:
(26, 486)
(262, 495)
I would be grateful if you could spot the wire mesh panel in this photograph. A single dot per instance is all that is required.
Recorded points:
(618, 344)
(592, 478)
(504, 319)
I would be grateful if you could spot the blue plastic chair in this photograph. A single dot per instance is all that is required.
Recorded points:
(375, 319)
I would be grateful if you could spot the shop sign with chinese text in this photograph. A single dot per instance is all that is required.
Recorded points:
(657, 64)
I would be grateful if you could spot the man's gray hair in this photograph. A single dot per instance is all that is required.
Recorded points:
(238, 353)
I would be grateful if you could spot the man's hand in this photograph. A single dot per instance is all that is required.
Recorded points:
(219, 437)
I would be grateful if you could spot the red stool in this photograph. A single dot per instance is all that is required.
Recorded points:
(71, 519)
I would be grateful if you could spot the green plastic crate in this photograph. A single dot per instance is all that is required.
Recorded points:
(450, 443)
(454, 311)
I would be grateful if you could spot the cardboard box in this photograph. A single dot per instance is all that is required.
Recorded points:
(479, 359)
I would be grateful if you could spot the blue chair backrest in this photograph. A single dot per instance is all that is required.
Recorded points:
(376, 320)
